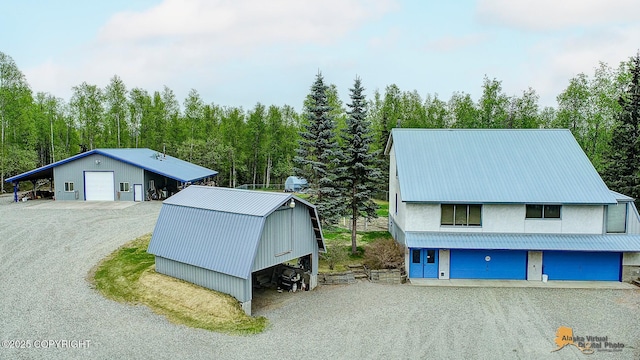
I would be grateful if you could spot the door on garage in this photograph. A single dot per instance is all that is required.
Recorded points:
(424, 263)
(582, 265)
(137, 192)
(99, 186)
(488, 264)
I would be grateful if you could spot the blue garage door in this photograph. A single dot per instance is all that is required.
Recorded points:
(488, 264)
(579, 265)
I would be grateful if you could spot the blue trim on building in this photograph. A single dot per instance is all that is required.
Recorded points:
(175, 168)
(569, 242)
(488, 264)
(571, 265)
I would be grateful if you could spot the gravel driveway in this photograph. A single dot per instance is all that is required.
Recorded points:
(46, 252)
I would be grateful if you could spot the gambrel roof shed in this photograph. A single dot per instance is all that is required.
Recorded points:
(217, 237)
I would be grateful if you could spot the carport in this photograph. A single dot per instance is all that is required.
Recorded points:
(219, 237)
(116, 175)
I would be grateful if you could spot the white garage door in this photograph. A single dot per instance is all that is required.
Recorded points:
(99, 185)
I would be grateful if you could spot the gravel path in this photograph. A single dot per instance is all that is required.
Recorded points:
(45, 254)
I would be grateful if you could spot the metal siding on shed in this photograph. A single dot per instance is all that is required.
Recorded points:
(74, 171)
(289, 231)
(218, 241)
(234, 286)
(488, 264)
(575, 242)
(495, 166)
(587, 266)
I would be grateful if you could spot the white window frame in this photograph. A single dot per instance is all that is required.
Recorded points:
(128, 188)
(69, 186)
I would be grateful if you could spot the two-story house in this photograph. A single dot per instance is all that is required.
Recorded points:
(507, 204)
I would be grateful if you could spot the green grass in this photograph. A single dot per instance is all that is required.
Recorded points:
(370, 236)
(383, 208)
(127, 275)
(339, 239)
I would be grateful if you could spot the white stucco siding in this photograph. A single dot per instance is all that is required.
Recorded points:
(582, 219)
(502, 218)
(542, 226)
(422, 217)
(395, 194)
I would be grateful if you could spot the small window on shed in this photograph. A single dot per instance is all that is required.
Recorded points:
(124, 187)
(68, 186)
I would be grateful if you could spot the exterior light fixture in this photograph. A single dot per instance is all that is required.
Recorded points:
(292, 204)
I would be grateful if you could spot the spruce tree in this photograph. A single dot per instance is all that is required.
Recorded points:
(318, 153)
(622, 166)
(359, 172)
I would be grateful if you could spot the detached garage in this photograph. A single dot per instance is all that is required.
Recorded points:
(117, 175)
(219, 237)
(99, 185)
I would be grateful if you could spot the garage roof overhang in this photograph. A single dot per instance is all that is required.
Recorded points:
(146, 159)
(567, 242)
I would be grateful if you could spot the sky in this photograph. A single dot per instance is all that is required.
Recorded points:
(239, 53)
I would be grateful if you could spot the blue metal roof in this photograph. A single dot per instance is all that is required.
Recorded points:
(147, 159)
(621, 197)
(216, 228)
(218, 241)
(495, 166)
(295, 180)
(572, 242)
(247, 202)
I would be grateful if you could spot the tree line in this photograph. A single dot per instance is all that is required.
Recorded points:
(259, 145)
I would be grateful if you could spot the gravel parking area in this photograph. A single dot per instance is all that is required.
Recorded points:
(46, 252)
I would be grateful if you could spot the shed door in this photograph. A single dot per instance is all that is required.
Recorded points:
(99, 186)
(137, 192)
(582, 265)
(488, 264)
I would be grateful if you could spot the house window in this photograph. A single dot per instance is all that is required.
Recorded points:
(461, 215)
(543, 212)
(415, 256)
(124, 186)
(396, 204)
(617, 218)
(68, 186)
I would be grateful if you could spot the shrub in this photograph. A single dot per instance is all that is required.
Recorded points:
(333, 256)
(384, 254)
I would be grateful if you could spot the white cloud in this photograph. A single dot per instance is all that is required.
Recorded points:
(563, 58)
(250, 22)
(203, 41)
(543, 15)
